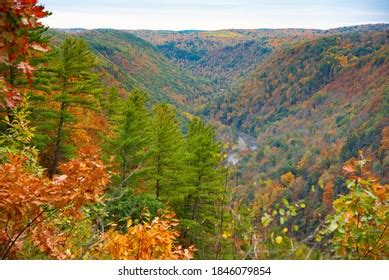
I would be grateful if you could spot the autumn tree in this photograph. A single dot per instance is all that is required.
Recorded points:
(34, 209)
(16, 139)
(20, 40)
(20, 37)
(288, 179)
(328, 190)
(28, 202)
(358, 227)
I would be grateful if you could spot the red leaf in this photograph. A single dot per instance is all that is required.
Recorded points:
(348, 169)
(27, 69)
(12, 98)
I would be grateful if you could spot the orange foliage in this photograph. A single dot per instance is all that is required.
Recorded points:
(27, 201)
(267, 195)
(88, 130)
(327, 181)
(385, 138)
(87, 177)
(361, 170)
(149, 241)
(304, 162)
(359, 223)
(288, 179)
(342, 60)
(328, 194)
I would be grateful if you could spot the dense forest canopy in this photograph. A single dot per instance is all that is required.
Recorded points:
(230, 144)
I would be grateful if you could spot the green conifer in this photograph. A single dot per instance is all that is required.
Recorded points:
(164, 163)
(68, 81)
(129, 145)
(204, 187)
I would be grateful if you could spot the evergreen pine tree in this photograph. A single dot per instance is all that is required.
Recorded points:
(67, 83)
(204, 187)
(112, 105)
(164, 163)
(129, 145)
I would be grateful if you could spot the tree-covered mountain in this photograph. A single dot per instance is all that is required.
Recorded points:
(310, 98)
(222, 57)
(129, 62)
(225, 56)
(231, 144)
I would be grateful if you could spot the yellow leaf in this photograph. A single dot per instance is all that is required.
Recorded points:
(279, 239)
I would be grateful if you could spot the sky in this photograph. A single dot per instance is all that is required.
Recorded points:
(214, 14)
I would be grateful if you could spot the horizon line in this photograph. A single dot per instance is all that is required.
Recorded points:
(222, 29)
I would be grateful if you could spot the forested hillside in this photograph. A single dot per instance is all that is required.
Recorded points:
(313, 105)
(231, 144)
(223, 56)
(128, 62)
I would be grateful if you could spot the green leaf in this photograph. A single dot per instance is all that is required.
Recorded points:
(332, 227)
(265, 220)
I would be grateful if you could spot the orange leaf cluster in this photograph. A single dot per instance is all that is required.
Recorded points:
(149, 241)
(87, 176)
(288, 179)
(360, 170)
(328, 194)
(26, 200)
(21, 17)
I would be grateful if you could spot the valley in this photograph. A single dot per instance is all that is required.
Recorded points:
(288, 103)
(300, 93)
(234, 144)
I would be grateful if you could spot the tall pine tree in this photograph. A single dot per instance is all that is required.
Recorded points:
(204, 187)
(164, 163)
(69, 85)
(129, 145)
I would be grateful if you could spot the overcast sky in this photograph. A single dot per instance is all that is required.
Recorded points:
(214, 14)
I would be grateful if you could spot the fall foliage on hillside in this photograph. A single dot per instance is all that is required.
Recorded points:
(115, 147)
